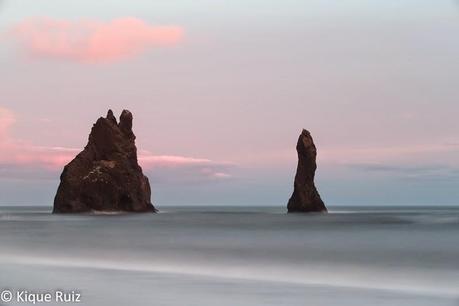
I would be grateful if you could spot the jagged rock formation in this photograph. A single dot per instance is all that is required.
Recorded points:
(105, 176)
(305, 197)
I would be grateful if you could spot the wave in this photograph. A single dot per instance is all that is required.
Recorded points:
(414, 281)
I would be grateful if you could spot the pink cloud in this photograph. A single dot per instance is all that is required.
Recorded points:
(7, 119)
(171, 168)
(92, 41)
(18, 156)
(17, 152)
(149, 161)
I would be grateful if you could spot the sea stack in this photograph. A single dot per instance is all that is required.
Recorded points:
(105, 176)
(305, 197)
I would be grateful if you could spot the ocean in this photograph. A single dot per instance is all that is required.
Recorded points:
(234, 256)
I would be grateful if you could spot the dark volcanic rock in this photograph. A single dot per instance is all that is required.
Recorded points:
(105, 176)
(305, 197)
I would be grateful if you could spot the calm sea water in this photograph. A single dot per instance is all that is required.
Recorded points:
(236, 256)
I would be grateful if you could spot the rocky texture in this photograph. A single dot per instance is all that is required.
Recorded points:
(305, 197)
(105, 176)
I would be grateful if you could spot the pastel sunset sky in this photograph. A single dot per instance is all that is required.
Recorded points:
(220, 91)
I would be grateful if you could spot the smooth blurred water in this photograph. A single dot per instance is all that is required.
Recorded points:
(236, 256)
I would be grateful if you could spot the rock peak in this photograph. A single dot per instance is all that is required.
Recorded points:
(305, 197)
(105, 176)
(111, 117)
(126, 122)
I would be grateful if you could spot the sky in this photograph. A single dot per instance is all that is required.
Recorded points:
(220, 91)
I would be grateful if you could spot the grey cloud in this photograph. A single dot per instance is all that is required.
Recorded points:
(19, 172)
(410, 172)
(377, 167)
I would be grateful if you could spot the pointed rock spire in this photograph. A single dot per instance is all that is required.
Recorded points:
(305, 197)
